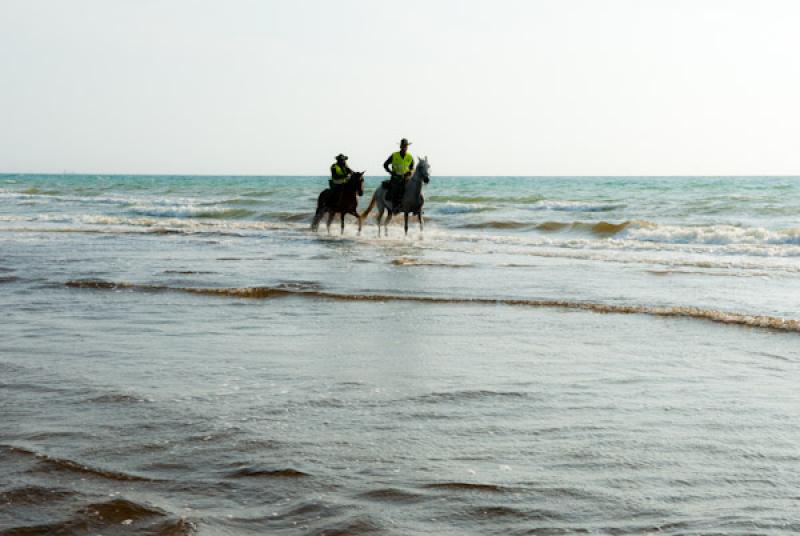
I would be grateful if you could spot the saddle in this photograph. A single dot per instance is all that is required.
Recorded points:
(393, 194)
(390, 196)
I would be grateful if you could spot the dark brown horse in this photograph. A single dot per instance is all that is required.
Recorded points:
(345, 203)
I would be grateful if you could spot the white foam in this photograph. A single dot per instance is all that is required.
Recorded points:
(712, 234)
(575, 206)
(171, 210)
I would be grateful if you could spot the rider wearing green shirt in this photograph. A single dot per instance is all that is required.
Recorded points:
(402, 165)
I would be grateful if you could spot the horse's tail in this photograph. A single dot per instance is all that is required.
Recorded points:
(371, 204)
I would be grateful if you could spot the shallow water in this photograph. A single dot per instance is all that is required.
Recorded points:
(181, 355)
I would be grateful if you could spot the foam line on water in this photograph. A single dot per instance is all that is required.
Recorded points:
(698, 313)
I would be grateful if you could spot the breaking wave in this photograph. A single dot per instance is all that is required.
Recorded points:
(680, 311)
(603, 228)
(191, 211)
(714, 234)
(646, 231)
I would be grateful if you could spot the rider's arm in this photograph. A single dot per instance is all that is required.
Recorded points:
(387, 163)
(410, 169)
(333, 173)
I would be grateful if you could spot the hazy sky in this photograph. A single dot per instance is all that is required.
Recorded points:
(500, 87)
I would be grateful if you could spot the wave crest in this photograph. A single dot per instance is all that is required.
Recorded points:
(113, 515)
(53, 464)
(469, 486)
(250, 472)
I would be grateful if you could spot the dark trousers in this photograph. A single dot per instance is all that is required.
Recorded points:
(397, 187)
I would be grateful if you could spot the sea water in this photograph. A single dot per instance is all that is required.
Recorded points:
(551, 355)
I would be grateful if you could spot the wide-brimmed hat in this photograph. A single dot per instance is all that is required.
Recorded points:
(404, 142)
(340, 156)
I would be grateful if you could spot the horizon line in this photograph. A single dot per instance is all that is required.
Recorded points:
(241, 175)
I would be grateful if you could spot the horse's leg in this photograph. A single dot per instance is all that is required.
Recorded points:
(379, 217)
(342, 231)
(386, 223)
(405, 221)
(421, 225)
(330, 220)
(319, 212)
(358, 217)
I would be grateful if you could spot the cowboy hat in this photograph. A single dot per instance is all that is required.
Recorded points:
(340, 156)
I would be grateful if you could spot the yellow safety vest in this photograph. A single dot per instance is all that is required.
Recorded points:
(339, 174)
(401, 164)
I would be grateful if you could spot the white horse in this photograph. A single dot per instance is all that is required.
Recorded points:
(412, 198)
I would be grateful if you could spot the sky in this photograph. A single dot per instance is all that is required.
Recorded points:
(501, 87)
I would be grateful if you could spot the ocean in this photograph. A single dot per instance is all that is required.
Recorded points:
(551, 355)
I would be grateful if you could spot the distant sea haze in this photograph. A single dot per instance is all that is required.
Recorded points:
(552, 355)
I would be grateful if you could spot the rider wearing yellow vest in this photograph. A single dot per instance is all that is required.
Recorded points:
(402, 164)
(340, 173)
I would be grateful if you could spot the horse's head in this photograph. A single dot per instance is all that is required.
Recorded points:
(424, 170)
(357, 180)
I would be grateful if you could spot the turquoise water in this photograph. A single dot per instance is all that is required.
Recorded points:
(552, 355)
(601, 240)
